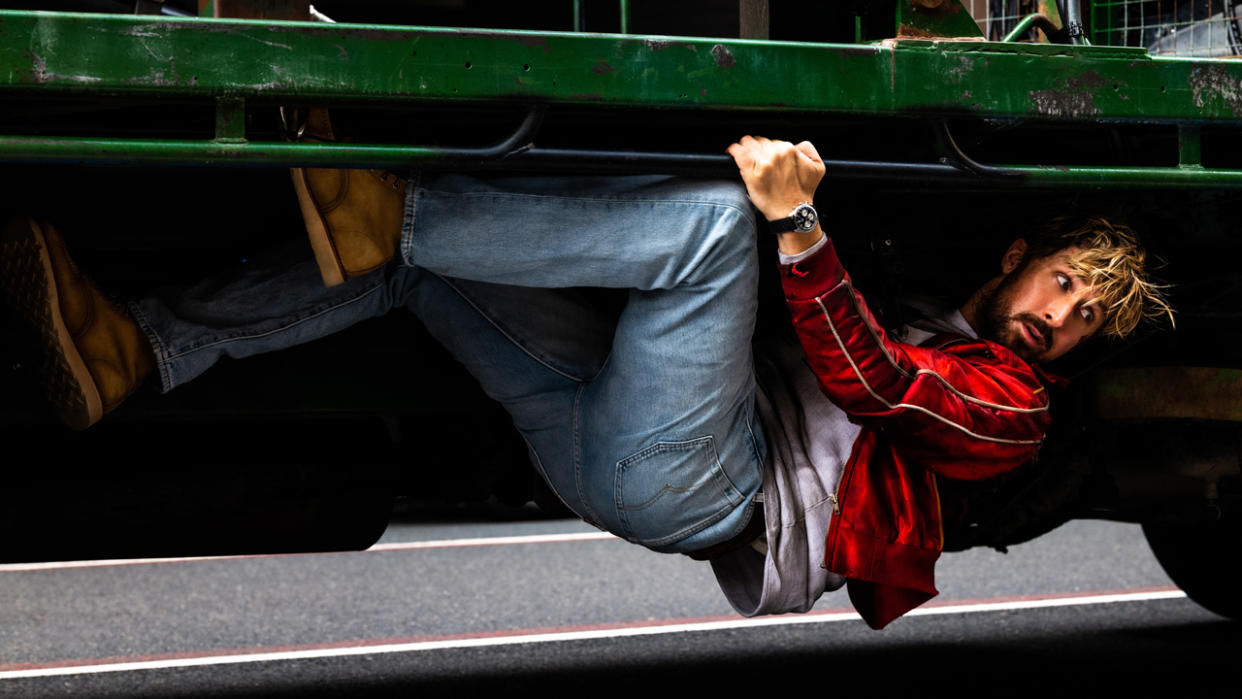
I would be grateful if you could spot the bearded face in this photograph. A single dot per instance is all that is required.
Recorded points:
(1021, 331)
(1040, 309)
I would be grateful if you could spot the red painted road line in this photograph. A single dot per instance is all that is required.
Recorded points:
(377, 548)
(1042, 596)
(552, 634)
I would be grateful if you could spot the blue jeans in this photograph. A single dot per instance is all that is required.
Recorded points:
(643, 424)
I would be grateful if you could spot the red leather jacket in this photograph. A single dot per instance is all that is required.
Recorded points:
(957, 408)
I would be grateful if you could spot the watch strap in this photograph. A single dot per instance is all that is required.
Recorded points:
(782, 225)
(790, 222)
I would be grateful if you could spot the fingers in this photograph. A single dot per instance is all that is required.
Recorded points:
(777, 174)
(807, 149)
(748, 151)
(754, 146)
(741, 155)
(755, 153)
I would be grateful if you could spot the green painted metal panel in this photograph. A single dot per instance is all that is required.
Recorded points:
(46, 53)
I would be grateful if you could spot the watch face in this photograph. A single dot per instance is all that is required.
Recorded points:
(805, 218)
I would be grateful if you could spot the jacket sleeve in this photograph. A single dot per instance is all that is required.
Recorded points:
(970, 411)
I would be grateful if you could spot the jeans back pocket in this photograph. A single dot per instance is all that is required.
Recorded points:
(672, 490)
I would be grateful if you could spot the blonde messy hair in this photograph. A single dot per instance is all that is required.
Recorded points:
(1113, 263)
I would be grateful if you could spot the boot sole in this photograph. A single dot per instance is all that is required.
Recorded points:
(330, 267)
(30, 289)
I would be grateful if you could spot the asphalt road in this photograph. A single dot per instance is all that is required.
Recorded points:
(466, 608)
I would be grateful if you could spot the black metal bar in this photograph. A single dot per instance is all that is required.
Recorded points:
(960, 160)
(1072, 19)
(516, 142)
(720, 165)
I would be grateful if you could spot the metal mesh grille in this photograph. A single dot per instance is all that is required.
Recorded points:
(1201, 28)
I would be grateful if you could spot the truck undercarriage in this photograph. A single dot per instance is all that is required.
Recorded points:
(159, 143)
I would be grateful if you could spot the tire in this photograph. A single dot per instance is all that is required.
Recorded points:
(1203, 560)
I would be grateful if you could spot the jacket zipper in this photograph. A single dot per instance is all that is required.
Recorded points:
(830, 544)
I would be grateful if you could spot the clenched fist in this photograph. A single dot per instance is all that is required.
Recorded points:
(779, 176)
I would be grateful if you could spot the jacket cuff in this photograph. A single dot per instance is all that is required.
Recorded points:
(813, 276)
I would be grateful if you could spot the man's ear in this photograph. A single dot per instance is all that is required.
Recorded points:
(1013, 256)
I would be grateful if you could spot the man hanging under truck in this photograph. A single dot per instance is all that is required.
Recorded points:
(652, 425)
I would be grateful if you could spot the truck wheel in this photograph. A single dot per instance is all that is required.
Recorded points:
(1203, 560)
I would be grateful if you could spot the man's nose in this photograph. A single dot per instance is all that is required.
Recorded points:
(1056, 313)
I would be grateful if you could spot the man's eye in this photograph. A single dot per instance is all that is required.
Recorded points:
(1063, 281)
(1088, 314)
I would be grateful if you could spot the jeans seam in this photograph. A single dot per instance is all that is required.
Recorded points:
(590, 512)
(761, 459)
(282, 328)
(537, 463)
(594, 198)
(413, 193)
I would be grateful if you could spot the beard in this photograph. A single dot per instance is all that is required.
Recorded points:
(1000, 324)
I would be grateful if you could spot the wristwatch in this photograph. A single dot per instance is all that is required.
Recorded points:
(802, 219)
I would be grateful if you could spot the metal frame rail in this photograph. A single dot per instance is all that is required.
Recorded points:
(229, 62)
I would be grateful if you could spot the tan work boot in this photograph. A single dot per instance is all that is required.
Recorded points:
(94, 354)
(353, 217)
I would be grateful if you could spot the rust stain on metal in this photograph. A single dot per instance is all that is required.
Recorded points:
(908, 31)
(724, 57)
(535, 42)
(661, 45)
(1076, 99)
(1089, 80)
(1061, 103)
(603, 68)
(1216, 81)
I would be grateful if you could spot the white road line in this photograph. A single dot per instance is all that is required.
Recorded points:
(493, 541)
(377, 548)
(583, 635)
